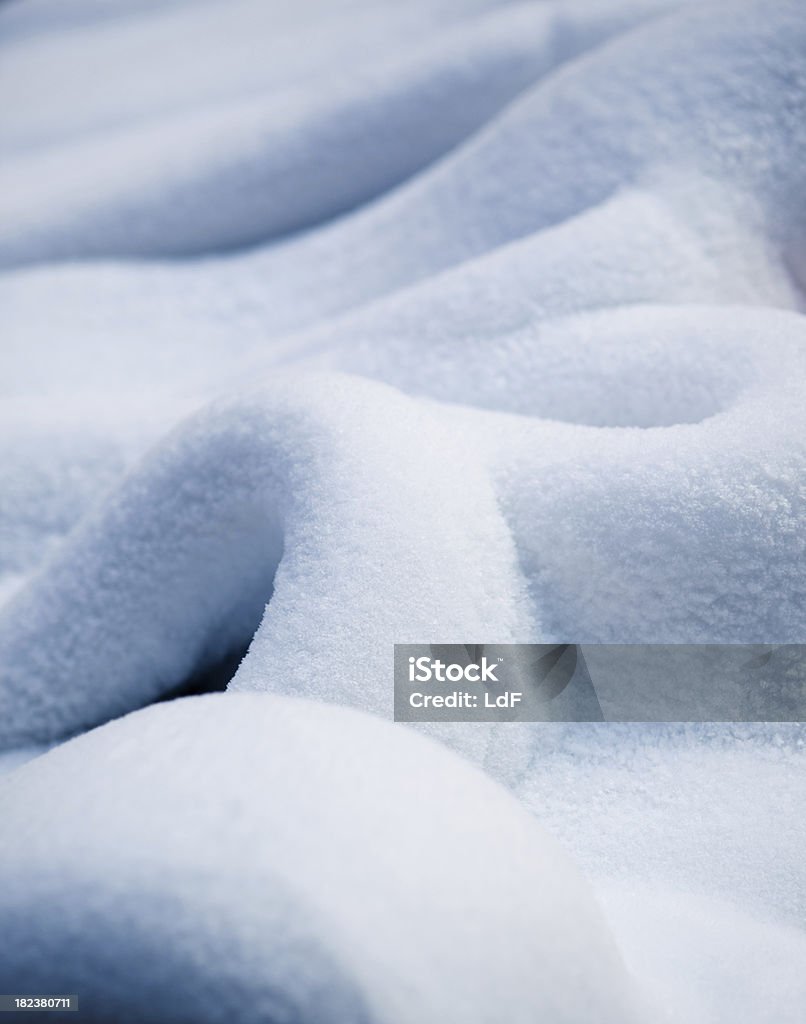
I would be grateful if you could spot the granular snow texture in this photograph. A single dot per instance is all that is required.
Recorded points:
(349, 323)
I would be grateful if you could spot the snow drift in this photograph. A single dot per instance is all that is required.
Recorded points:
(509, 527)
(516, 354)
(436, 897)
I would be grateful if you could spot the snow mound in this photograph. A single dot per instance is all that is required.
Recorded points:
(244, 170)
(542, 379)
(239, 47)
(437, 898)
(737, 966)
(697, 201)
(689, 808)
(176, 567)
(523, 528)
(693, 837)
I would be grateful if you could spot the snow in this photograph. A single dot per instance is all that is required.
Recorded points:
(516, 354)
(693, 837)
(289, 494)
(461, 906)
(730, 958)
(255, 165)
(245, 45)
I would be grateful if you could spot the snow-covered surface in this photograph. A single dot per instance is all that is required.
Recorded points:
(434, 896)
(274, 158)
(516, 353)
(506, 527)
(694, 838)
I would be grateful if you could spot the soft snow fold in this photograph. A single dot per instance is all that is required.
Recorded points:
(239, 47)
(694, 838)
(435, 897)
(259, 165)
(737, 966)
(549, 386)
(176, 567)
(523, 529)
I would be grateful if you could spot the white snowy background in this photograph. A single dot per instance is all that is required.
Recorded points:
(338, 323)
